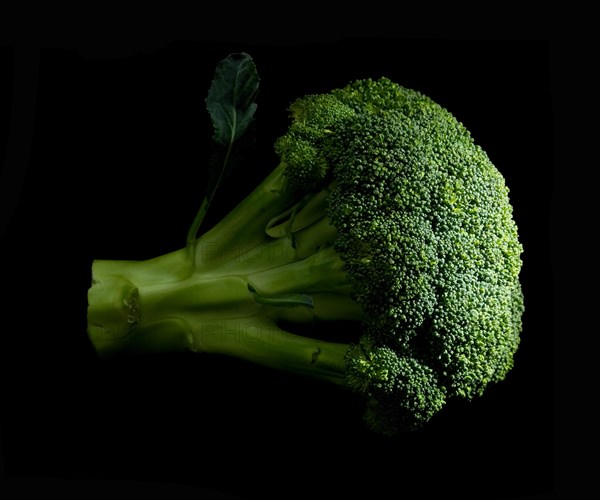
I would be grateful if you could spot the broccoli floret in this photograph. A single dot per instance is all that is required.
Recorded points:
(383, 212)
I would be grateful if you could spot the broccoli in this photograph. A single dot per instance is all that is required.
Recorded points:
(384, 224)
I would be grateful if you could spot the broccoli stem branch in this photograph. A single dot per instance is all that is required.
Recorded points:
(243, 227)
(197, 222)
(259, 340)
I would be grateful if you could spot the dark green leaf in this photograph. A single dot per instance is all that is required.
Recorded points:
(230, 100)
(230, 103)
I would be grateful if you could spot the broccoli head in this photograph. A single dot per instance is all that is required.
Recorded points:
(383, 212)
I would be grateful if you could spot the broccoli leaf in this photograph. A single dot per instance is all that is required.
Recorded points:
(230, 104)
(230, 100)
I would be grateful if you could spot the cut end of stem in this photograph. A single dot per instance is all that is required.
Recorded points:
(113, 309)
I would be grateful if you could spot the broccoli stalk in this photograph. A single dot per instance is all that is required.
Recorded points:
(383, 221)
(229, 297)
(215, 314)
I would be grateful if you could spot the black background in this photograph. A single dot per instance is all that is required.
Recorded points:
(116, 171)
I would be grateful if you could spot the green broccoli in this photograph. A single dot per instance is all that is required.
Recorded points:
(383, 222)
